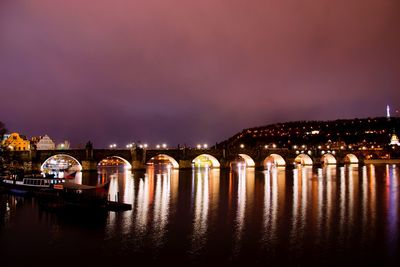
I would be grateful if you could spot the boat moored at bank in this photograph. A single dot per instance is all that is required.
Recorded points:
(27, 184)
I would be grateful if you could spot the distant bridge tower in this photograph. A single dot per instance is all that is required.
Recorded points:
(388, 112)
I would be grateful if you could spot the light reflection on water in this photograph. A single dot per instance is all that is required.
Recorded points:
(204, 199)
(392, 206)
(243, 179)
(274, 215)
(274, 180)
(201, 205)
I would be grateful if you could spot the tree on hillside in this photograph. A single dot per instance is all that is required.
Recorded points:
(3, 130)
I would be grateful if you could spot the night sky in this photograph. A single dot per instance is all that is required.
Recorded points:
(186, 71)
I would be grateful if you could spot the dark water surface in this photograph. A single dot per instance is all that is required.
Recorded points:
(330, 216)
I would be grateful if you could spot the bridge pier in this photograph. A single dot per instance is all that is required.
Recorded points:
(138, 165)
(185, 164)
(259, 165)
(89, 165)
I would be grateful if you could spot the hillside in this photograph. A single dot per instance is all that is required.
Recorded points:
(352, 132)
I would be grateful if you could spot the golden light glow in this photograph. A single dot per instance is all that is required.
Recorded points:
(207, 161)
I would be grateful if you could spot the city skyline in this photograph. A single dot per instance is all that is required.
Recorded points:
(185, 72)
(293, 130)
(130, 142)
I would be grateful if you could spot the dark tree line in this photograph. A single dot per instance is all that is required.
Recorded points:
(3, 130)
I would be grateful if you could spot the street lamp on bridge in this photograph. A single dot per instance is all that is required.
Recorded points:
(113, 145)
(143, 146)
(204, 146)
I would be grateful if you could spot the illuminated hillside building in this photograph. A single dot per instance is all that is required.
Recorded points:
(17, 142)
(394, 140)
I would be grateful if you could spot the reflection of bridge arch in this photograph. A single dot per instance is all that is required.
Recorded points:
(127, 165)
(303, 159)
(61, 162)
(249, 161)
(328, 159)
(274, 160)
(163, 158)
(206, 160)
(351, 159)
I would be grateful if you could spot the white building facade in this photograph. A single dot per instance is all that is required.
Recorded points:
(45, 143)
(394, 140)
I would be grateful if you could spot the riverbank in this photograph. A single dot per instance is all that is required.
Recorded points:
(382, 161)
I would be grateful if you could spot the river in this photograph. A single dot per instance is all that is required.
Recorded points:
(327, 216)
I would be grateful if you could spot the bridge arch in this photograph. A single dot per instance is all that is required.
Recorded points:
(328, 159)
(249, 161)
(274, 160)
(351, 159)
(163, 158)
(127, 164)
(303, 159)
(206, 160)
(61, 162)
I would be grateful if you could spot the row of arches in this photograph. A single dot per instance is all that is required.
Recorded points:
(205, 160)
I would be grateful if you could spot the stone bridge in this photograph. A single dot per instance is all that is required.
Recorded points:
(138, 158)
